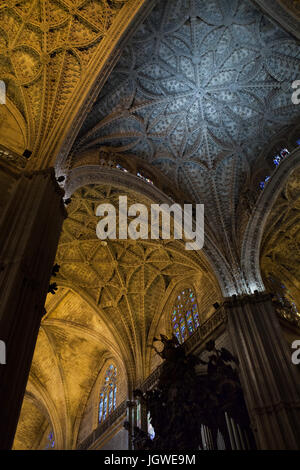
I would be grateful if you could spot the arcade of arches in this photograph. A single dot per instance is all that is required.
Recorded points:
(186, 101)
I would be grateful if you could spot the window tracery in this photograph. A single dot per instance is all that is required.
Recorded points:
(108, 395)
(185, 316)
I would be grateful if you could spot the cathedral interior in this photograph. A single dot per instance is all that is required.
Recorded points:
(164, 102)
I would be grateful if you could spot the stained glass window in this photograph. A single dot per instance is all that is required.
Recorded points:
(122, 168)
(262, 184)
(148, 180)
(108, 395)
(277, 159)
(185, 316)
(151, 431)
(50, 441)
(282, 154)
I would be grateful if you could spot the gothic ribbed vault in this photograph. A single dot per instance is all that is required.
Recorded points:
(200, 92)
(280, 250)
(111, 298)
(50, 53)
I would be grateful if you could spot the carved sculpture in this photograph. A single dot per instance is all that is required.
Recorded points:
(183, 399)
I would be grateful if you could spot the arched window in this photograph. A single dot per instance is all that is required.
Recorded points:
(185, 316)
(108, 396)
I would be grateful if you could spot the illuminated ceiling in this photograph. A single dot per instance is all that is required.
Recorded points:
(128, 280)
(47, 48)
(199, 92)
(109, 304)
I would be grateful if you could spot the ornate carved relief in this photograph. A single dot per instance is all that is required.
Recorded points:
(199, 92)
(47, 49)
(280, 248)
(253, 237)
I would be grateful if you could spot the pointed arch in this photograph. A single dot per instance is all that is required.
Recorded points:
(250, 253)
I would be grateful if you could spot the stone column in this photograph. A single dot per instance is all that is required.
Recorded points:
(270, 381)
(131, 409)
(29, 232)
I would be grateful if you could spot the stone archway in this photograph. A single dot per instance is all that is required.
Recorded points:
(250, 253)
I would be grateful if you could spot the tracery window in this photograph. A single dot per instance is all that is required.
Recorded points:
(185, 316)
(108, 395)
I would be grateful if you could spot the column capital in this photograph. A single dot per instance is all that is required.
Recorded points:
(247, 298)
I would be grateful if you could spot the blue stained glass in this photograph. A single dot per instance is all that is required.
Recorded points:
(51, 440)
(298, 142)
(110, 401)
(105, 407)
(115, 396)
(276, 161)
(187, 319)
(100, 410)
(108, 395)
(262, 184)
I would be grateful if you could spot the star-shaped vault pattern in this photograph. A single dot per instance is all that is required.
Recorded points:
(199, 92)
